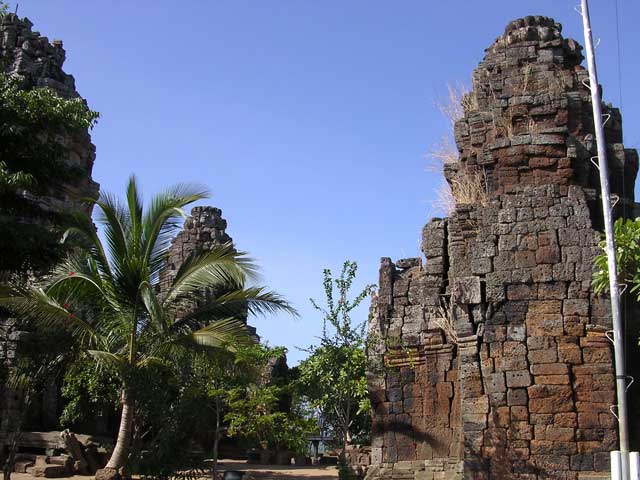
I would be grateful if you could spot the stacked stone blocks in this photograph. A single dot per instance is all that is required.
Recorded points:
(522, 358)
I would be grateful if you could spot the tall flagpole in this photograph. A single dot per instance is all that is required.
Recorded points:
(618, 340)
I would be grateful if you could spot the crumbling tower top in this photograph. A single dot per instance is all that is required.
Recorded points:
(528, 118)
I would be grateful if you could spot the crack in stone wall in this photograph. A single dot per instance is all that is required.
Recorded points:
(521, 385)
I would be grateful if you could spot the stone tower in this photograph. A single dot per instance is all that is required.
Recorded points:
(493, 361)
(204, 229)
(38, 63)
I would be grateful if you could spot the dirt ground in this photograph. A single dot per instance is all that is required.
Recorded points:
(262, 472)
(273, 472)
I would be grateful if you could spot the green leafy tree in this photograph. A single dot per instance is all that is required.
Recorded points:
(627, 240)
(333, 377)
(89, 391)
(11, 182)
(214, 379)
(107, 294)
(254, 416)
(261, 411)
(34, 126)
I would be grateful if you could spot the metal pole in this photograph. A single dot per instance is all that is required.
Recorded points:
(621, 378)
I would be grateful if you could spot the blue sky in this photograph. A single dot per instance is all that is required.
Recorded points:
(309, 120)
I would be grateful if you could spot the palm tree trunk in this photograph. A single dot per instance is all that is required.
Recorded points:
(121, 449)
(216, 442)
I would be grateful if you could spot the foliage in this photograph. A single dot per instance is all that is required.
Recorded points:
(166, 416)
(28, 376)
(177, 407)
(10, 182)
(4, 8)
(259, 411)
(253, 415)
(338, 314)
(627, 240)
(89, 390)
(333, 377)
(107, 294)
(34, 123)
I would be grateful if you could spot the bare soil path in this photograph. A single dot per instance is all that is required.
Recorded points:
(261, 472)
(273, 472)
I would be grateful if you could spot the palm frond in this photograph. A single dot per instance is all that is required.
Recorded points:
(237, 303)
(108, 358)
(148, 360)
(33, 303)
(221, 266)
(163, 218)
(153, 306)
(24, 377)
(114, 218)
(83, 226)
(134, 203)
(228, 334)
(77, 282)
(76, 276)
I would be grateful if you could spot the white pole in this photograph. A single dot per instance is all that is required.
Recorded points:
(616, 469)
(634, 465)
(621, 379)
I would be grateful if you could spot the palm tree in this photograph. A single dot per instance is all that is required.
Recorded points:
(107, 294)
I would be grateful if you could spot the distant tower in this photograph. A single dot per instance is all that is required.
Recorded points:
(204, 229)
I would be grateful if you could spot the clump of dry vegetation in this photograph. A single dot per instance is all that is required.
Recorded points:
(470, 188)
(444, 319)
(467, 187)
(459, 100)
(502, 127)
(441, 154)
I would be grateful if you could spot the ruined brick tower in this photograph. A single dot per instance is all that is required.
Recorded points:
(492, 360)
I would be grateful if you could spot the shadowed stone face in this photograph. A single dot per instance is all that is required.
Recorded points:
(498, 336)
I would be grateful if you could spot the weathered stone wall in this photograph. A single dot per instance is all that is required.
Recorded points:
(8, 346)
(38, 63)
(493, 361)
